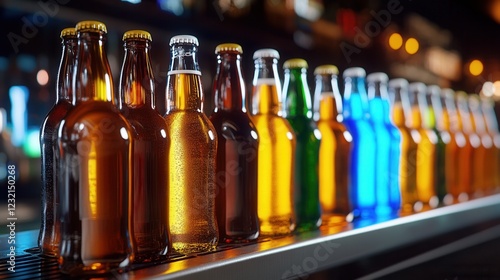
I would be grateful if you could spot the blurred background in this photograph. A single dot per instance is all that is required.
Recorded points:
(448, 43)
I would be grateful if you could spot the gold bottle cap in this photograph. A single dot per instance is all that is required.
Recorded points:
(327, 69)
(68, 32)
(228, 47)
(137, 34)
(295, 63)
(184, 39)
(266, 53)
(91, 25)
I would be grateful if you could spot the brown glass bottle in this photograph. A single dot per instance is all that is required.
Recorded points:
(95, 147)
(237, 151)
(49, 236)
(192, 155)
(149, 194)
(335, 147)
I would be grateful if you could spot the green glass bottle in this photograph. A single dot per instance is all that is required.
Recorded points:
(297, 110)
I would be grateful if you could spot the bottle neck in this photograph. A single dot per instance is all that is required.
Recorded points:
(266, 87)
(489, 116)
(137, 79)
(297, 98)
(229, 87)
(436, 116)
(92, 78)
(66, 69)
(401, 108)
(355, 99)
(184, 89)
(327, 91)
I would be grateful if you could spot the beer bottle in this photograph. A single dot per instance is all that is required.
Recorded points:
(388, 139)
(458, 151)
(335, 147)
(443, 139)
(478, 153)
(298, 112)
(490, 119)
(490, 168)
(95, 145)
(149, 194)
(192, 156)
(362, 166)
(276, 159)
(401, 117)
(49, 236)
(237, 151)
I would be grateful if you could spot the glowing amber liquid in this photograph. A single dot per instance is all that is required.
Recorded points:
(333, 163)
(408, 162)
(276, 164)
(192, 159)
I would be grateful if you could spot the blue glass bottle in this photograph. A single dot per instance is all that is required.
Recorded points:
(362, 166)
(388, 139)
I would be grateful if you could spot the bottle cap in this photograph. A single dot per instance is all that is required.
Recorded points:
(137, 34)
(228, 47)
(398, 82)
(447, 93)
(184, 39)
(417, 86)
(377, 77)
(266, 53)
(295, 63)
(327, 69)
(91, 25)
(68, 32)
(433, 90)
(354, 72)
(460, 94)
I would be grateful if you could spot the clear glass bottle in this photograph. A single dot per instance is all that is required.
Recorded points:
(149, 194)
(401, 117)
(298, 112)
(237, 151)
(388, 139)
(335, 147)
(192, 155)
(357, 120)
(276, 148)
(49, 236)
(95, 145)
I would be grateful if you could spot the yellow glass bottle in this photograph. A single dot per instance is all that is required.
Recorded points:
(276, 148)
(335, 147)
(426, 153)
(192, 154)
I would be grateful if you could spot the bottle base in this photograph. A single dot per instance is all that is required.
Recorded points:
(94, 267)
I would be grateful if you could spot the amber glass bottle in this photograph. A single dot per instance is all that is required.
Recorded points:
(401, 116)
(335, 148)
(276, 148)
(192, 155)
(49, 236)
(237, 151)
(298, 112)
(426, 153)
(95, 146)
(149, 194)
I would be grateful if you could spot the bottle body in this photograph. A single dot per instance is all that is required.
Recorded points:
(49, 236)
(94, 145)
(297, 102)
(277, 142)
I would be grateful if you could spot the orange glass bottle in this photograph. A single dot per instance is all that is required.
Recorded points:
(401, 116)
(95, 145)
(192, 155)
(335, 147)
(276, 148)
(458, 151)
(49, 236)
(490, 119)
(237, 151)
(426, 153)
(149, 194)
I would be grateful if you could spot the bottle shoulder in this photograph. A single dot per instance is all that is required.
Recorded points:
(55, 115)
(236, 118)
(146, 122)
(190, 124)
